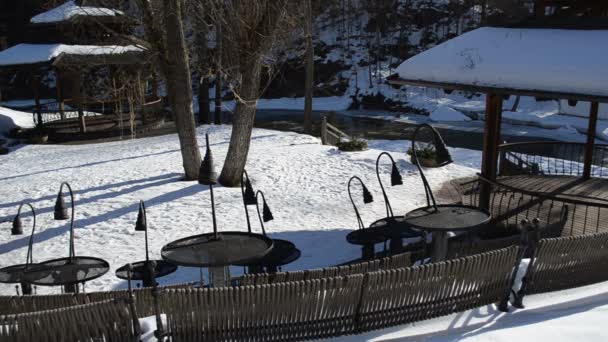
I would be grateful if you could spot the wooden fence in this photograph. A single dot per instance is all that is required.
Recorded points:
(330, 134)
(564, 263)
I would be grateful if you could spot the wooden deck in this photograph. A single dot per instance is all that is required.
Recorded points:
(587, 200)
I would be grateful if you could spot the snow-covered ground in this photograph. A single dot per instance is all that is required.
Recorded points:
(305, 185)
(304, 182)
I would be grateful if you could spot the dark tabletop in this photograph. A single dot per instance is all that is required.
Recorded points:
(449, 217)
(66, 271)
(139, 269)
(13, 274)
(283, 252)
(206, 250)
(395, 227)
(366, 236)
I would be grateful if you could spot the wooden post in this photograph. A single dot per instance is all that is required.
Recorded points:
(35, 85)
(491, 139)
(60, 103)
(80, 101)
(539, 8)
(591, 131)
(324, 130)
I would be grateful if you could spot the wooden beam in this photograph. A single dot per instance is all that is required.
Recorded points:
(36, 91)
(491, 139)
(80, 102)
(589, 147)
(60, 103)
(539, 8)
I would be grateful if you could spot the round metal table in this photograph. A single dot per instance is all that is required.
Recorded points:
(217, 250)
(446, 218)
(395, 228)
(283, 252)
(66, 271)
(14, 275)
(367, 238)
(139, 271)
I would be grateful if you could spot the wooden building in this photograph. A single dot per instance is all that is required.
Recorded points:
(78, 44)
(563, 55)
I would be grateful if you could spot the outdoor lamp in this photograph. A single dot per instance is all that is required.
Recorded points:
(247, 189)
(395, 180)
(367, 198)
(17, 225)
(208, 176)
(206, 173)
(442, 157)
(141, 225)
(266, 213)
(61, 212)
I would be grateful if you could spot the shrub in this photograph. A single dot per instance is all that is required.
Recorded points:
(352, 145)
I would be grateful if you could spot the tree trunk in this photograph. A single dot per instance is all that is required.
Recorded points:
(309, 70)
(179, 88)
(242, 125)
(204, 115)
(218, 73)
(203, 85)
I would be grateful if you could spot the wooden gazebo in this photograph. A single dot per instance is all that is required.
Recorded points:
(546, 58)
(72, 40)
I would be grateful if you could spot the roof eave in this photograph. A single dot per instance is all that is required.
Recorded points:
(396, 80)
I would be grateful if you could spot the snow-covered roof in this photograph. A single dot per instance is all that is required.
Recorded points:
(40, 53)
(69, 10)
(544, 60)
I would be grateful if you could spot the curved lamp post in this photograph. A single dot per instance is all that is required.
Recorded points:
(367, 198)
(283, 251)
(208, 176)
(442, 158)
(61, 213)
(249, 196)
(16, 271)
(71, 270)
(395, 180)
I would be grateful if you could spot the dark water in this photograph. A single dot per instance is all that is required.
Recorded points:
(374, 126)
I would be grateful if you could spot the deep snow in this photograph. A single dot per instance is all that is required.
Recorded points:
(304, 183)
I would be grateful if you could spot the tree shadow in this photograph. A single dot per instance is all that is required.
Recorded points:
(49, 233)
(156, 181)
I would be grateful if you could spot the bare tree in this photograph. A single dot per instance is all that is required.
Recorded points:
(310, 64)
(249, 31)
(172, 59)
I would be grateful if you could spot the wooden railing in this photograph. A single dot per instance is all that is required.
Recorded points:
(330, 134)
(551, 158)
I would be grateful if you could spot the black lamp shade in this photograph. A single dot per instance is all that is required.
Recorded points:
(249, 193)
(61, 211)
(396, 176)
(442, 154)
(141, 225)
(367, 196)
(266, 213)
(17, 226)
(207, 174)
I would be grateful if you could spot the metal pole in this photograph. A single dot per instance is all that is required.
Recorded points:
(591, 131)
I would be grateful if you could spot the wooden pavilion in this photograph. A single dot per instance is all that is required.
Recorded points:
(547, 57)
(76, 40)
